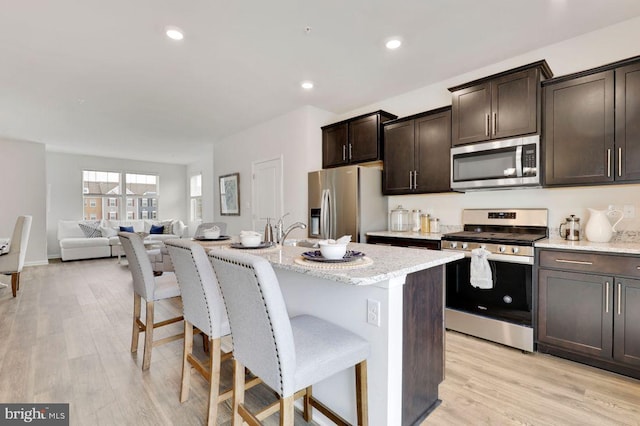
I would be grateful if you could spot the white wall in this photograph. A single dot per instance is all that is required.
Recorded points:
(588, 51)
(297, 137)
(23, 192)
(64, 177)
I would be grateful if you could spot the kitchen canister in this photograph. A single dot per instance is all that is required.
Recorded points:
(424, 223)
(434, 225)
(399, 219)
(415, 220)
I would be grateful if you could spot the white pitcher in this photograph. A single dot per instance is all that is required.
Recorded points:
(599, 229)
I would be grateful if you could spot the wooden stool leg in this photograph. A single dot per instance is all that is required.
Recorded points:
(286, 411)
(186, 365)
(238, 392)
(148, 337)
(136, 317)
(15, 278)
(362, 396)
(214, 382)
(307, 413)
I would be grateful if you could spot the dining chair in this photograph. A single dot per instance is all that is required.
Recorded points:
(200, 229)
(12, 262)
(288, 354)
(204, 309)
(150, 288)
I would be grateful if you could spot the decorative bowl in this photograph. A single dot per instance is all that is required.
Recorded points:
(332, 250)
(211, 233)
(249, 239)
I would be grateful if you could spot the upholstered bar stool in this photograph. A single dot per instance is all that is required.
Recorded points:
(150, 288)
(289, 355)
(12, 262)
(204, 309)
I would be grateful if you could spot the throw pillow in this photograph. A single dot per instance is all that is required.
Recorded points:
(168, 226)
(156, 229)
(126, 229)
(108, 232)
(90, 229)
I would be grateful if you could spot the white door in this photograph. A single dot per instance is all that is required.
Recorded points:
(266, 192)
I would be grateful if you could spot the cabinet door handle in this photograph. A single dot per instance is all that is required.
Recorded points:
(415, 179)
(620, 161)
(486, 126)
(495, 123)
(350, 146)
(606, 298)
(410, 179)
(608, 163)
(619, 297)
(577, 262)
(344, 153)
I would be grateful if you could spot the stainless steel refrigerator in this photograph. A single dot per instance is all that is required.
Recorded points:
(346, 201)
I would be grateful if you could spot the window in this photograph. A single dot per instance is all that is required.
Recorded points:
(195, 192)
(97, 188)
(105, 195)
(143, 191)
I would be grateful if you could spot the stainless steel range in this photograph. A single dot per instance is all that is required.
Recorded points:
(502, 311)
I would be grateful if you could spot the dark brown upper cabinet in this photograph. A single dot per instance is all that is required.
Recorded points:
(417, 153)
(356, 140)
(500, 106)
(627, 119)
(578, 132)
(591, 126)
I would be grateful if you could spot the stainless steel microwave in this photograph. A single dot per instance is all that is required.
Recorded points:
(500, 164)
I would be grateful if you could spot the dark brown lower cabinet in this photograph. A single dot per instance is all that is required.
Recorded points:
(423, 344)
(588, 310)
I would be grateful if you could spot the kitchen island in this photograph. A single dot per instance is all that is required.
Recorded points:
(394, 299)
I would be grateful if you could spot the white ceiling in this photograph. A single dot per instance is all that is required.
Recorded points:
(100, 77)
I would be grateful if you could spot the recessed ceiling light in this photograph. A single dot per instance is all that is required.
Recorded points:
(307, 85)
(174, 33)
(393, 43)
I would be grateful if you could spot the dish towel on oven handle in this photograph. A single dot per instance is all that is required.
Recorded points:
(480, 274)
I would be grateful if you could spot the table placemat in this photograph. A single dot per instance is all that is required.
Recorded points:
(359, 263)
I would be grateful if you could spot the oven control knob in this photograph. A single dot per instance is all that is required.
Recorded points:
(515, 250)
(502, 249)
(465, 245)
(483, 246)
(453, 244)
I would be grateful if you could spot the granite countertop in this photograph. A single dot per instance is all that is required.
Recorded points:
(584, 245)
(408, 234)
(388, 262)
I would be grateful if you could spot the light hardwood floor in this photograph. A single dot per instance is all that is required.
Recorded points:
(66, 338)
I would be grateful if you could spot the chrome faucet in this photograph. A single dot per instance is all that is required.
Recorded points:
(281, 234)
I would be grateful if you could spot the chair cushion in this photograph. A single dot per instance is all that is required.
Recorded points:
(166, 286)
(323, 349)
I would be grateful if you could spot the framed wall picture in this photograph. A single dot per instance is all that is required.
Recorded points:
(230, 194)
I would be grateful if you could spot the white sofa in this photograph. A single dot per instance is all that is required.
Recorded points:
(74, 244)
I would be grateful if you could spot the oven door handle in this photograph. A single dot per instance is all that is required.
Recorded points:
(507, 258)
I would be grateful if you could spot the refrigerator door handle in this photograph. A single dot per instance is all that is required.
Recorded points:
(325, 232)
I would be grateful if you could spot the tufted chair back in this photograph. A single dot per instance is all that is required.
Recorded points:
(201, 299)
(260, 326)
(139, 265)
